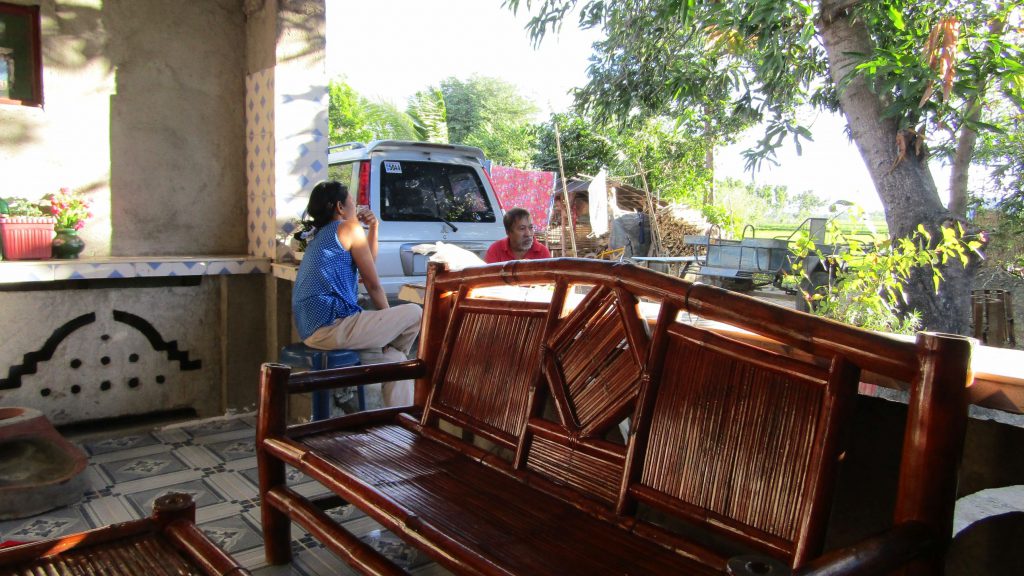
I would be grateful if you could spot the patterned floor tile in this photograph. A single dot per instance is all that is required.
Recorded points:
(202, 492)
(142, 451)
(49, 525)
(144, 466)
(397, 551)
(171, 435)
(95, 480)
(217, 426)
(119, 444)
(225, 436)
(291, 475)
(320, 561)
(234, 449)
(233, 486)
(345, 513)
(214, 461)
(109, 510)
(233, 534)
(310, 489)
(241, 464)
(227, 509)
(158, 481)
(197, 457)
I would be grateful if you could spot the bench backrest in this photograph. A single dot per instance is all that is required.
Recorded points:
(744, 440)
(737, 432)
(488, 365)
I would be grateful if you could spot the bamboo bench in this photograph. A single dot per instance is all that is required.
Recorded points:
(166, 543)
(512, 460)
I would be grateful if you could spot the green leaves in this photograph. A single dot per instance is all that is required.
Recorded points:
(429, 115)
(866, 284)
(353, 118)
(490, 113)
(896, 18)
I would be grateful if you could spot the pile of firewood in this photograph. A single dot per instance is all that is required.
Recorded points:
(674, 223)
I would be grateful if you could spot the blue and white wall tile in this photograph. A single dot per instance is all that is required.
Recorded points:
(260, 155)
(302, 102)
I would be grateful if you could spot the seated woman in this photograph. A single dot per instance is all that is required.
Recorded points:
(324, 300)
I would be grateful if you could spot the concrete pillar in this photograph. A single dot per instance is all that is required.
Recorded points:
(286, 104)
(286, 113)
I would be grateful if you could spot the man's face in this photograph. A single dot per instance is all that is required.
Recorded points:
(520, 238)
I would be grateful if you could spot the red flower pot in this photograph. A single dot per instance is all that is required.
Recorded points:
(26, 237)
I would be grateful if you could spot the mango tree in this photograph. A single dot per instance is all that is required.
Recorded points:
(906, 76)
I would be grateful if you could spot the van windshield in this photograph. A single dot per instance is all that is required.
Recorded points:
(429, 191)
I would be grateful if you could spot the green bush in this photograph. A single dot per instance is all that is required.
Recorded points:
(863, 283)
(17, 206)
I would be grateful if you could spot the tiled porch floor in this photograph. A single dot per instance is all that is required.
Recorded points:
(214, 461)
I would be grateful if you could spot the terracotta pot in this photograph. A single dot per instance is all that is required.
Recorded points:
(26, 237)
(39, 469)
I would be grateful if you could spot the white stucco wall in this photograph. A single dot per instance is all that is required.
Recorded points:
(110, 352)
(143, 113)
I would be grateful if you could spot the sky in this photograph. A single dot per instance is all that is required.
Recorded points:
(413, 44)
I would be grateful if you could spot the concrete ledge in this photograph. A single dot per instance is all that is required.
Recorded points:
(129, 267)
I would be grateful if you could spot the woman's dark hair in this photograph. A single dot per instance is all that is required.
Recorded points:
(323, 199)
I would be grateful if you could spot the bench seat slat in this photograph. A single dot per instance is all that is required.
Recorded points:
(488, 512)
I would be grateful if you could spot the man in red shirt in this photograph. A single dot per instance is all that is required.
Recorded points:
(520, 244)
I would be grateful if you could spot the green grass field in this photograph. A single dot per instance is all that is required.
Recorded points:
(846, 229)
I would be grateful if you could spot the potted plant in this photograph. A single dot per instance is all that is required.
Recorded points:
(25, 231)
(71, 211)
(295, 234)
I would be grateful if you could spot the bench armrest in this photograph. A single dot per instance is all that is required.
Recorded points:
(875, 555)
(356, 376)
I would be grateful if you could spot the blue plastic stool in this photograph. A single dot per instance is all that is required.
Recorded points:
(299, 355)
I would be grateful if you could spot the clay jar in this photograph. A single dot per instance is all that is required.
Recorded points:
(39, 469)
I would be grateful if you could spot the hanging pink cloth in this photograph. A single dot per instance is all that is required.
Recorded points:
(528, 189)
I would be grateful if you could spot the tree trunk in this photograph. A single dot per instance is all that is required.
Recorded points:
(903, 181)
(968, 140)
(965, 146)
(709, 159)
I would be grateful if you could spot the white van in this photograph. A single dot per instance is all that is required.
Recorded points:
(421, 193)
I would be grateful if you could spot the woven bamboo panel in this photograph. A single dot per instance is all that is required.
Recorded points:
(149, 554)
(502, 350)
(598, 370)
(734, 438)
(587, 474)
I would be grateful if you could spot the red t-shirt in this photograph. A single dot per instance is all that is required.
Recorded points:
(499, 252)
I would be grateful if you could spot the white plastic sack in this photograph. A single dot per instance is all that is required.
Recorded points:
(598, 193)
(454, 256)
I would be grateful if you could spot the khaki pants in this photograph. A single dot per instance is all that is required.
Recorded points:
(379, 336)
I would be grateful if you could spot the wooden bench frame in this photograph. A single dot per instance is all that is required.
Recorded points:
(167, 542)
(546, 386)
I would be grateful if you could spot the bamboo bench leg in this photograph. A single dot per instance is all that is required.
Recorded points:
(271, 422)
